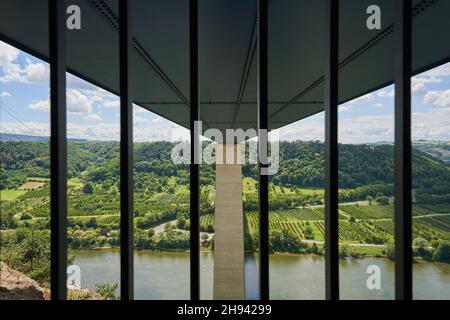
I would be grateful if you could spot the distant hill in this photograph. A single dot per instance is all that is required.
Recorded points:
(301, 163)
(30, 138)
(437, 149)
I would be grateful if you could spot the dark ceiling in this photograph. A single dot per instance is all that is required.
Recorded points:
(227, 58)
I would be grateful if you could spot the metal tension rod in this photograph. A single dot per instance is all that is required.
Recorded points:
(402, 167)
(126, 153)
(195, 144)
(331, 151)
(58, 149)
(263, 125)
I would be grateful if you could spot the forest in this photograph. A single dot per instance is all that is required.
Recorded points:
(161, 200)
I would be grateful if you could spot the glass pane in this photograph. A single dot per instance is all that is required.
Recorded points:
(296, 187)
(227, 94)
(24, 175)
(430, 137)
(93, 133)
(25, 152)
(431, 176)
(161, 149)
(366, 151)
(161, 208)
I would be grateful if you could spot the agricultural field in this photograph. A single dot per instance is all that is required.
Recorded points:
(359, 224)
(31, 185)
(369, 224)
(10, 195)
(161, 198)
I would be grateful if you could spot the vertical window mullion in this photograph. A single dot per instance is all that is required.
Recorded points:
(58, 149)
(331, 151)
(195, 144)
(126, 154)
(263, 139)
(403, 228)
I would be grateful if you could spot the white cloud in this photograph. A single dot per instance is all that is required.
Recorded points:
(40, 105)
(378, 105)
(343, 109)
(137, 120)
(99, 131)
(441, 71)
(417, 88)
(5, 94)
(8, 56)
(36, 72)
(364, 98)
(138, 109)
(111, 103)
(160, 129)
(30, 128)
(157, 129)
(366, 129)
(77, 103)
(426, 79)
(13, 71)
(386, 93)
(312, 128)
(431, 124)
(93, 117)
(438, 98)
(418, 84)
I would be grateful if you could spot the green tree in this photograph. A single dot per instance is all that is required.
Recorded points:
(421, 248)
(382, 200)
(8, 221)
(108, 291)
(390, 249)
(345, 250)
(181, 222)
(442, 253)
(167, 226)
(88, 188)
(308, 232)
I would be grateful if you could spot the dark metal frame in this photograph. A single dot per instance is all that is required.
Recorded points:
(403, 221)
(195, 145)
(331, 151)
(263, 125)
(126, 153)
(58, 149)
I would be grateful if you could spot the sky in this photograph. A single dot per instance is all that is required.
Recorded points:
(93, 113)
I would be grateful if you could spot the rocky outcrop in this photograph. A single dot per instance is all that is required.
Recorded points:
(14, 285)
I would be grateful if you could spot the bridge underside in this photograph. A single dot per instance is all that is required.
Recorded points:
(227, 56)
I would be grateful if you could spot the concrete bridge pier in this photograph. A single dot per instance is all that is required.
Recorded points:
(229, 275)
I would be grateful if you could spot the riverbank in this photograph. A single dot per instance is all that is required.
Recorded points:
(362, 254)
(165, 275)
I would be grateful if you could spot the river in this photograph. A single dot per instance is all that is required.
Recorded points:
(165, 275)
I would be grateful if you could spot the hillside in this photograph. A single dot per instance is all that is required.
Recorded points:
(438, 149)
(161, 201)
(301, 164)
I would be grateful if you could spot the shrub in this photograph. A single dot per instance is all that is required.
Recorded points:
(88, 188)
(442, 253)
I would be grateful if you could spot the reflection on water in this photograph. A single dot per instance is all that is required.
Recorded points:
(165, 275)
